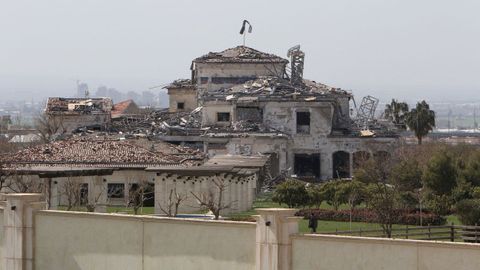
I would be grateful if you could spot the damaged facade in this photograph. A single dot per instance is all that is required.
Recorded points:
(73, 113)
(252, 102)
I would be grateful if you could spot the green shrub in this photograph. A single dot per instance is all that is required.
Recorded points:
(292, 192)
(468, 211)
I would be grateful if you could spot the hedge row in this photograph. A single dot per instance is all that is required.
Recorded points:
(365, 215)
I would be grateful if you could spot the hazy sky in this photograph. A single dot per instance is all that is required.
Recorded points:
(408, 49)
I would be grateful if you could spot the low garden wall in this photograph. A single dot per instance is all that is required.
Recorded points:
(322, 252)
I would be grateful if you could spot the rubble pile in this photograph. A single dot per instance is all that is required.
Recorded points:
(271, 87)
(180, 83)
(158, 122)
(56, 105)
(88, 151)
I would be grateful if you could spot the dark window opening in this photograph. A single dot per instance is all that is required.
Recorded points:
(341, 164)
(223, 117)
(180, 105)
(306, 165)
(84, 194)
(149, 195)
(116, 191)
(203, 80)
(142, 195)
(231, 80)
(303, 122)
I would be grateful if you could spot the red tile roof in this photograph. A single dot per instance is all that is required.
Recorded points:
(120, 108)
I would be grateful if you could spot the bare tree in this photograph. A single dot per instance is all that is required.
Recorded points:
(92, 202)
(48, 126)
(71, 188)
(23, 184)
(138, 193)
(174, 200)
(213, 198)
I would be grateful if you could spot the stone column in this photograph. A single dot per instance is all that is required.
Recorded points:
(326, 165)
(98, 193)
(19, 231)
(273, 242)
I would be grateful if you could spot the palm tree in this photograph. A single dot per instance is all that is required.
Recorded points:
(421, 120)
(396, 112)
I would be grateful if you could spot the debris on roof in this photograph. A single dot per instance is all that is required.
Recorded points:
(180, 83)
(57, 105)
(240, 54)
(271, 87)
(367, 133)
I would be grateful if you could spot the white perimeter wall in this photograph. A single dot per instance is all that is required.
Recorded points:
(81, 241)
(356, 253)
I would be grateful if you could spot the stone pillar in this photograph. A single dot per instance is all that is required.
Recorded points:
(98, 193)
(19, 231)
(273, 242)
(326, 165)
(54, 193)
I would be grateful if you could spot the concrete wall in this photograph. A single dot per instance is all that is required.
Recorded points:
(239, 70)
(343, 252)
(239, 193)
(73, 121)
(188, 96)
(209, 113)
(282, 116)
(81, 241)
(240, 190)
(57, 240)
(326, 146)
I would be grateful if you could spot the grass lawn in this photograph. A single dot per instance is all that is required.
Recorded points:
(265, 201)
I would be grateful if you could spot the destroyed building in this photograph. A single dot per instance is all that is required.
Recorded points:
(73, 113)
(252, 102)
(127, 108)
(182, 95)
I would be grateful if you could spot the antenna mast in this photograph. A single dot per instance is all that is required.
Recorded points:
(243, 32)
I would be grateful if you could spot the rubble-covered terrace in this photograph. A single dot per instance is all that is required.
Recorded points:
(180, 83)
(58, 105)
(277, 89)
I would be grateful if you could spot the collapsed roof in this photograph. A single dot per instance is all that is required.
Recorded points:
(180, 83)
(58, 105)
(240, 54)
(271, 87)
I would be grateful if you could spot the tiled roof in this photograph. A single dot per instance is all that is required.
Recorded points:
(121, 108)
(90, 151)
(240, 54)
